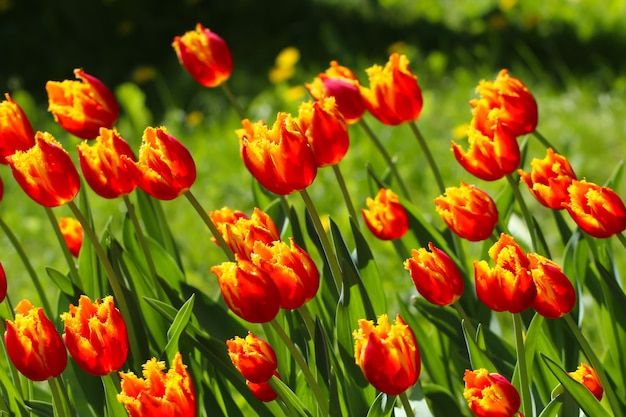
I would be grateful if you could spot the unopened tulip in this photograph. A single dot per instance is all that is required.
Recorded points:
(72, 232)
(587, 376)
(16, 132)
(490, 394)
(253, 357)
(555, 293)
(549, 179)
(385, 216)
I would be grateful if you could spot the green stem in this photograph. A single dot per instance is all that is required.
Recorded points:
(428, 155)
(621, 239)
(60, 398)
(345, 193)
(66, 252)
(29, 268)
(407, 405)
(527, 404)
(331, 258)
(543, 140)
(596, 365)
(233, 101)
(470, 327)
(525, 213)
(141, 238)
(207, 220)
(308, 375)
(308, 321)
(392, 166)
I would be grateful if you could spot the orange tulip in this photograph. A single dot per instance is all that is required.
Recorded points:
(263, 391)
(248, 290)
(33, 344)
(518, 106)
(549, 179)
(394, 97)
(3, 284)
(253, 357)
(205, 55)
(385, 216)
(72, 232)
(46, 172)
(587, 376)
(105, 171)
(325, 129)
(435, 275)
(159, 394)
(279, 158)
(95, 335)
(597, 210)
(490, 394)
(292, 270)
(82, 107)
(241, 232)
(165, 168)
(555, 293)
(387, 354)
(509, 285)
(468, 211)
(16, 132)
(340, 82)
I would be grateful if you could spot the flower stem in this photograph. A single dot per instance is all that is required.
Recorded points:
(387, 158)
(428, 155)
(621, 239)
(527, 404)
(233, 101)
(331, 258)
(308, 321)
(345, 193)
(207, 220)
(470, 327)
(60, 398)
(308, 375)
(408, 410)
(525, 213)
(66, 252)
(543, 140)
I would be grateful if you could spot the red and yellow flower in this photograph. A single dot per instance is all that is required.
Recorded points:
(263, 391)
(205, 55)
(587, 376)
(387, 354)
(555, 293)
(490, 394)
(3, 284)
(16, 132)
(72, 232)
(158, 393)
(33, 344)
(95, 335)
(253, 357)
(385, 216)
(82, 107)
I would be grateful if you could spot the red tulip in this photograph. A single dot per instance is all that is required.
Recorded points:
(385, 217)
(16, 132)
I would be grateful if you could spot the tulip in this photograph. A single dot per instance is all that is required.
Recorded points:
(279, 158)
(82, 108)
(490, 394)
(46, 172)
(263, 391)
(587, 376)
(435, 275)
(3, 284)
(253, 357)
(393, 97)
(385, 217)
(387, 354)
(509, 285)
(205, 55)
(549, 179)
(597, 210)
(165, 168)
(325, 129)
(340, 82)
(16, 132)
(518, 106)
(555, 293)
(95, 335)
(468, 211)
(105, 171)
(292, 270)
(33, 344)
(158, 393)
(72, 232)
(248, 290)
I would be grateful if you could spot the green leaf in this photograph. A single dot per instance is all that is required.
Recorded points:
(176, 329)
(552, 409)
(291, 400)
(113, 407)
(477, 351)
(382, 406)
(40, 408)
(64, 283)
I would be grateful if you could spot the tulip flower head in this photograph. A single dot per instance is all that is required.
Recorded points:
(205, 55)
(385, 216)
(158, 393)
(3, 284)
(340, 82)
(263, 391)
(555, 293)
(253, 357)
(16, 132)
(46, 172)
(393, 96)
(597, 210)
(468, 211)
(105, 171)
(387, 354)
(279, 158)
(33, 344)
(587, 376)
(435, 275)
(549, 179)
(490, 394)
(95, 335)
(82, 107)
(72, 232)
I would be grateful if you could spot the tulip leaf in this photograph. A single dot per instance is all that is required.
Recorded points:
(291, 400)
(552, 409)
(382, 405)
(441, 401)
(476, 349)
(64, 283)
(113, 407)
(178, 326)
(40, 408)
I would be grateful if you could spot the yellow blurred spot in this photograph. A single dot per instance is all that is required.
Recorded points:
(460, 132)
(288, 57)
(295, 93)
(194, 118)
(325, 223)
(5, 5)
(497, 22)
(125, 27)
(280, 74)
(399, 47)
(143, 74)
(506, 5)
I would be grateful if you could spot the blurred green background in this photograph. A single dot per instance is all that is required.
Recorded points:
(571, 54)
